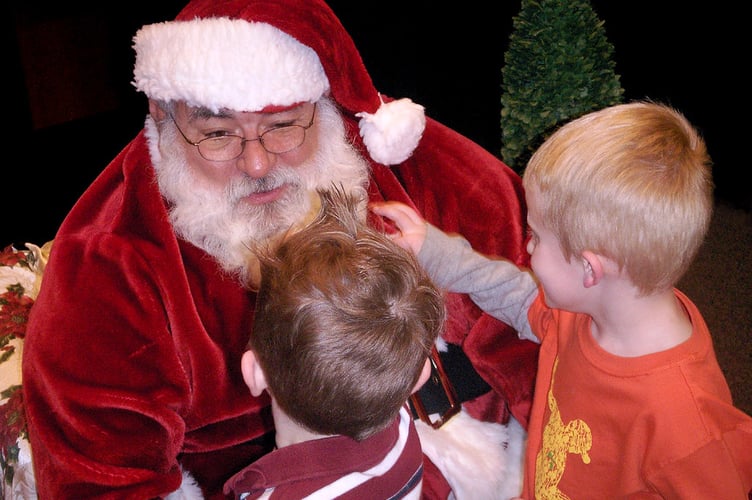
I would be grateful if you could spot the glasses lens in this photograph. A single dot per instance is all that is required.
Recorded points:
(221, 148)
(276, 141)
(283, 139)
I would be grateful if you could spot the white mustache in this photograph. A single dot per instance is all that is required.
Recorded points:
(245, 186)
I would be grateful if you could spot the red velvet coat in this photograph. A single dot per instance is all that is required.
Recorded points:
(132, 356)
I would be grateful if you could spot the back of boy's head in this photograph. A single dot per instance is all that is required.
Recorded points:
(345, 320)
(632, 182)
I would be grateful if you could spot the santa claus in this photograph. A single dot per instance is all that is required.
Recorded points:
(132, 379)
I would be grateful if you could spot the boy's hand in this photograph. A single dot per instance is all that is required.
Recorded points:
(411, 228)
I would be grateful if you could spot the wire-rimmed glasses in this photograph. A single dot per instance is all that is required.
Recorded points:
(276, 140)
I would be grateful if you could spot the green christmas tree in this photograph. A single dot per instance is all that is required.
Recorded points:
(559, 65)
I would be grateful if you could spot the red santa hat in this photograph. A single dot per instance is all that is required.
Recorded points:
(252, 55)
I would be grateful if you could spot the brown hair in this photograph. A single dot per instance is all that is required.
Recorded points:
(345, 320)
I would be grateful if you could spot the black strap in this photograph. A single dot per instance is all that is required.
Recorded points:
(462, 375)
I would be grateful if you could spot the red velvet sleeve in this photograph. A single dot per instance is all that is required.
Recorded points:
(129, 365)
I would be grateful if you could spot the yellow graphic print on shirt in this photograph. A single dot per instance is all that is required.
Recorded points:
(559, 439)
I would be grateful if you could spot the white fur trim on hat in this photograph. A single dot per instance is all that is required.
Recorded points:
(392, 133)
(226, 63)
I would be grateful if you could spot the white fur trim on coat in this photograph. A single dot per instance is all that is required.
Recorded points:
(188, 490)
(480, 460)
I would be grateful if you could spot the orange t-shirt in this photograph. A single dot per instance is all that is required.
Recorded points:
(656, 426)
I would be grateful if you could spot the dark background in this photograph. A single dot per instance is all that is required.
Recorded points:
(72, 107)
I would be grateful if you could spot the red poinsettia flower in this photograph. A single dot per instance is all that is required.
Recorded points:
(15, 306)
(12, 420)
(14, 312)
(12, 427)
(11, 257)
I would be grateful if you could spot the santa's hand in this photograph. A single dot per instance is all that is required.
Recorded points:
(411, 228)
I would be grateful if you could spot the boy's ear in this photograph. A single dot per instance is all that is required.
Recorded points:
(252, 373)
(423, 376)
(592, 269)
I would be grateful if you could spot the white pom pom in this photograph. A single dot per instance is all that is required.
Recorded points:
(393, 132)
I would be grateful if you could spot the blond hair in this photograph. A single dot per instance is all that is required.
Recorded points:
(632, 182)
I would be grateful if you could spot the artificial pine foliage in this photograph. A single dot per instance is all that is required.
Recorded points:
(559, 65)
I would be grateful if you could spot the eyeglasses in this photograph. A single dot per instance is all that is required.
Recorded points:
(276, 140)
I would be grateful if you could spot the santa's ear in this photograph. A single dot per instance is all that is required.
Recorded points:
(155, 110)
(252, 373)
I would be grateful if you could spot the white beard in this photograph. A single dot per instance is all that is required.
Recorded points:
(217, 221)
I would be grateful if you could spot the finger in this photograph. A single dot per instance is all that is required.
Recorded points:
(401, 214)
